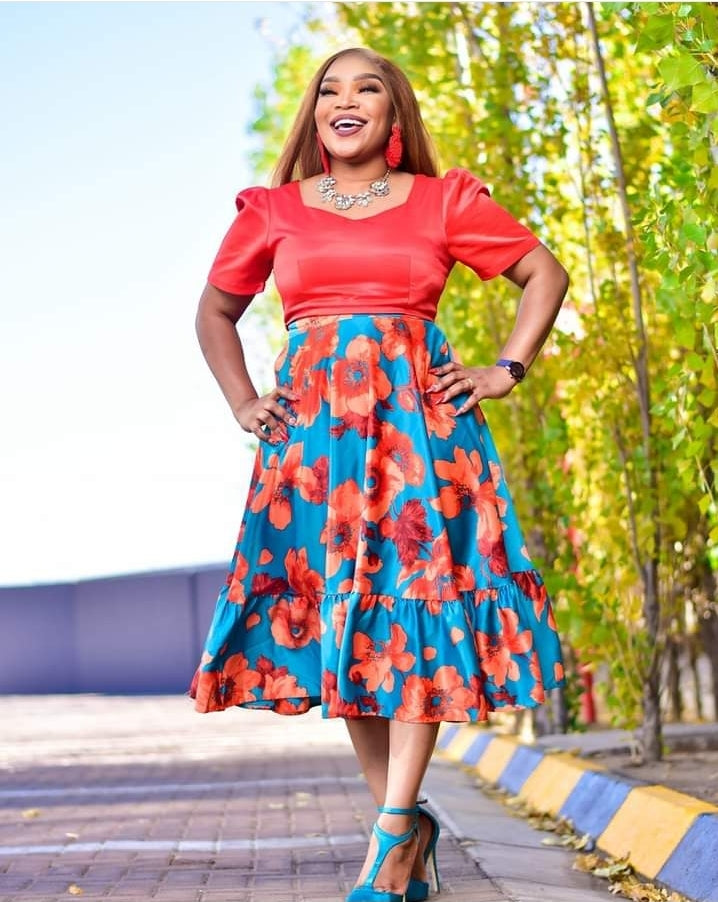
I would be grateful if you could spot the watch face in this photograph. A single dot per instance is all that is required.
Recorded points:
(517, 370)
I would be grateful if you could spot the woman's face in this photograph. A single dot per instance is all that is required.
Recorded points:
(353, 113)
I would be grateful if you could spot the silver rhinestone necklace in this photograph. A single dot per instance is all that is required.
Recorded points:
(329, 194)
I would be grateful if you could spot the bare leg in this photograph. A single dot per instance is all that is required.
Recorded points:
(370, 738)
(394, 757)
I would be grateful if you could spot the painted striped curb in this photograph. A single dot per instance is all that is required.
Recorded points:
(668, 836)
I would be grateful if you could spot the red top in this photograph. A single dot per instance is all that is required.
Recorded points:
(396, 261)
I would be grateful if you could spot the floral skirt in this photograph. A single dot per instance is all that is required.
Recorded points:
(379, 569)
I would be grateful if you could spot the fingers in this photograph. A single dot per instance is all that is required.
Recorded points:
(454, 380)
(270, 419)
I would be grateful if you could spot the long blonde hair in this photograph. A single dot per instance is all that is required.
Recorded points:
(300, 155)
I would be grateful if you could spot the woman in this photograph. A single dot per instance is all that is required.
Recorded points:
(379, 570)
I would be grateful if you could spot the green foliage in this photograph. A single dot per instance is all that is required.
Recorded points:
(613, 491)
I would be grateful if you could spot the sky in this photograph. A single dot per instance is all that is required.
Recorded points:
(124, 143)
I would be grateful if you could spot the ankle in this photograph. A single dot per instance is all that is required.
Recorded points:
(397, 824)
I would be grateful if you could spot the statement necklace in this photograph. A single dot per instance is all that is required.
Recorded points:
(328, 193)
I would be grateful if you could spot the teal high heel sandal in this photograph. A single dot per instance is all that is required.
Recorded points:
(386, 841)
(418, 890)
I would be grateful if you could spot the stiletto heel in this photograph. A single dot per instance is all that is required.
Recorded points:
(418, 890)
(386, 841)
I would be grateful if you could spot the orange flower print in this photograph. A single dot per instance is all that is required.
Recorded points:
(490, 528)
(341, 533)
(384, 481)
(278, 685)
(289, 706)
(316, 490)
(407, 399)
(367, 564)
(537, 692)
(440, 418)
(237, 681)
(264, 584)
(397, 446)
(280, 359)
(339, 619)
(337, 707)
(465, 578)
(294, 623)
(377, 660)
(236, 583)
(441, 697)
(496, 649)
(399, 335)
(477, 690)
(301, 578)
(358, 380)
(408, 530)
(313, 391)
(463, 474)
(282, 686)
(436, 582)
(279, 480)
(320, 344)
(533, 589)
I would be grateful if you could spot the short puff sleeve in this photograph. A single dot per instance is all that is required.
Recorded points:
(244, 260)
(479, 232)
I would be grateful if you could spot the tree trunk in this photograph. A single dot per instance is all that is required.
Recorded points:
(650, 734)
(708, 626)
(673, 681)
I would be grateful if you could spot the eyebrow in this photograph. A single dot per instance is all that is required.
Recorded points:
(356, 77)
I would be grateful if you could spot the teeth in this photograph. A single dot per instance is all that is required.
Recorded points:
(347, 123)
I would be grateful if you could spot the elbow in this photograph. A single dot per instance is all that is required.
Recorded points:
(564, 281)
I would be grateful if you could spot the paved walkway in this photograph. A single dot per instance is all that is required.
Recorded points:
(140, 798)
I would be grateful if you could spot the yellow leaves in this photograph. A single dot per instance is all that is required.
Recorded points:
(30, 813)
(623, 881)
(74, 890)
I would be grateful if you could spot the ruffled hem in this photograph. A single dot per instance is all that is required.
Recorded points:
(369, 655)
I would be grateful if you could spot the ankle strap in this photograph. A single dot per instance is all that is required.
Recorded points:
(388, 810)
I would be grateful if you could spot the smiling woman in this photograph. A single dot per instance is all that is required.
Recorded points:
(380, 571)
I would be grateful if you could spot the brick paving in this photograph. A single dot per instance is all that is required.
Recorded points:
(141, 798)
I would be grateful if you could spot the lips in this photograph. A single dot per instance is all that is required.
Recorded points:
(347, 125)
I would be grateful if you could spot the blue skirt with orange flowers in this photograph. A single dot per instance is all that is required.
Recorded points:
(379, 569)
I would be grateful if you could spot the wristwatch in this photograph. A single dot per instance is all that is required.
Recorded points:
(514, 368)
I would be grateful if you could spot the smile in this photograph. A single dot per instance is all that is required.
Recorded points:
(347, 125)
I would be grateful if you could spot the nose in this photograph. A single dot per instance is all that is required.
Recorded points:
(345, 98)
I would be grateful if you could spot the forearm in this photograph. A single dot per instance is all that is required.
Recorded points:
(543, 293)
(222, 349)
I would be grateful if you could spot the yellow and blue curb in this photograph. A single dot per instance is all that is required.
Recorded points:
(666, 835)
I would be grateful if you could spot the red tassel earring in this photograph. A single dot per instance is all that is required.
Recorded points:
(323, 156)
(395, 148)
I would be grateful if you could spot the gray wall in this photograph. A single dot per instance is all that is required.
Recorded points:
(127, 634)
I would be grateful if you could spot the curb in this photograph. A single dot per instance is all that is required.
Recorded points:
(667, 836)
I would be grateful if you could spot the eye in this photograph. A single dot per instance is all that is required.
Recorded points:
(373, 89)
(324, 92)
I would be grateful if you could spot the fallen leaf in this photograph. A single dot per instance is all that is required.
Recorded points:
(31, 812)
(75, 890)
(587, 862)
